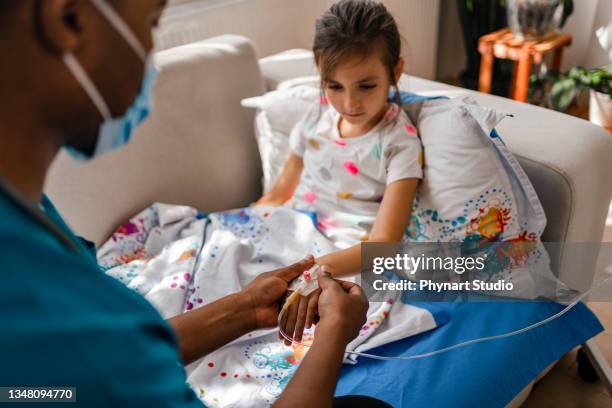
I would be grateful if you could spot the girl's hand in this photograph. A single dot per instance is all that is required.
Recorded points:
(285, 185)
(303, 313)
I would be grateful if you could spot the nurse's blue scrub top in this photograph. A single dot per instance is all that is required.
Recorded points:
(63, 322)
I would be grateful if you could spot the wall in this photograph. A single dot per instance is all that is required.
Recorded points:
(276, 25)
(417, 21)
(597, 54)
(580, 26)
(197, 20)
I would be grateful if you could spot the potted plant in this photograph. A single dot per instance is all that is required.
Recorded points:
(600, 100)
(537, 18)
(560, 90)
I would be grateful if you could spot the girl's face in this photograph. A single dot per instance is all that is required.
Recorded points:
(358, 90)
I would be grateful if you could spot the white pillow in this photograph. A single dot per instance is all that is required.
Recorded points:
(474, 190)
(466, 189)
(277, 113)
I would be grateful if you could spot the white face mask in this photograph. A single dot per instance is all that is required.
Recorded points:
(115, 132)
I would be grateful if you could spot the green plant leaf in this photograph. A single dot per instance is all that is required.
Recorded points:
(563, 93)
(575, 72)
(596, 80)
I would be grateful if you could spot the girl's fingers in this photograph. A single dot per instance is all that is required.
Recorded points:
(281, 325)
(291, 319)
(301, 318)
(283, 321)
(313, 302)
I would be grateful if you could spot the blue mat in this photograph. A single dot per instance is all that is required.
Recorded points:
(487, 374)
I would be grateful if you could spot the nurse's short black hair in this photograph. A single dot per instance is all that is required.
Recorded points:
(7, 7)
(7, 4)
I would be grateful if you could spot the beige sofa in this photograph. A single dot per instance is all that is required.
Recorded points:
(198, 149)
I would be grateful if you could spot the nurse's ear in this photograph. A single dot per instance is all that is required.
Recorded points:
(60, 23)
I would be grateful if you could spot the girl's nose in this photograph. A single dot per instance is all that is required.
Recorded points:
(352, 102)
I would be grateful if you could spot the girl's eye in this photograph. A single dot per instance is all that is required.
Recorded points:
(367, 87)
(334, 87)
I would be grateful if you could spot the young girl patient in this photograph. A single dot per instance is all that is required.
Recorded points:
(356, 160)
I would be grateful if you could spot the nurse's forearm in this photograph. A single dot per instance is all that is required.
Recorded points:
(204, 330)
(314, 382)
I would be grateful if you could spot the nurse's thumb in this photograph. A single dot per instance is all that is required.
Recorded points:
(326, 282)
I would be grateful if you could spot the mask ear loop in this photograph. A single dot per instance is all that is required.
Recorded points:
(122, 28)
(458, 345)
(77, 70)
(89, 87)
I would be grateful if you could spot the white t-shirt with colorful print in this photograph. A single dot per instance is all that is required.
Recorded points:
(344, 179)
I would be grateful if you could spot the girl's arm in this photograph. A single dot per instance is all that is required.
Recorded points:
(286, 183)
(391, 221)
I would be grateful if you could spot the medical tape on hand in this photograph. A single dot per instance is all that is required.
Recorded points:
(307, 282)
(464, 343)
(303, 285)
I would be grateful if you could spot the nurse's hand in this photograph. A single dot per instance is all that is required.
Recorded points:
(342, 306)
(205, 329)
(342, 310)
(302, 314)
(264, 292)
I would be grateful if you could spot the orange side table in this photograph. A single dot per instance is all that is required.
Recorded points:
(503, 44)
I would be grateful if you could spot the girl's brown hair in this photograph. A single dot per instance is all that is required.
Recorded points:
(356, 27)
